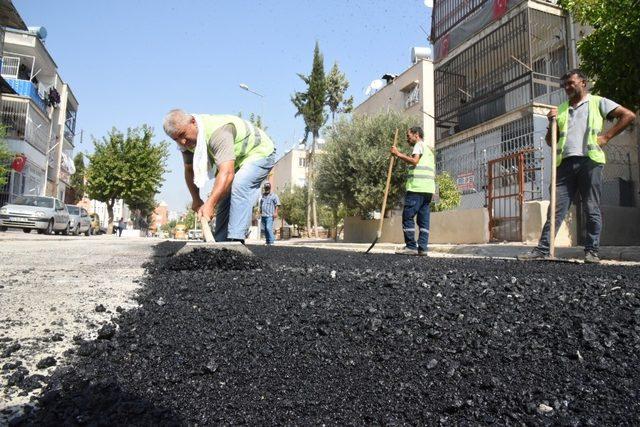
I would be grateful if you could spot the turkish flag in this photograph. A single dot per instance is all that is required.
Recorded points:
(499, 9)
(446, 42)
(19, 162)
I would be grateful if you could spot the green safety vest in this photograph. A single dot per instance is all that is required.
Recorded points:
(250, 142)
(421, 177)
(594, 127)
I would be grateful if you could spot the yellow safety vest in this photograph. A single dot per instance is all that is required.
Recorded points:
(421, 177)
(250, 142)
(594, 127)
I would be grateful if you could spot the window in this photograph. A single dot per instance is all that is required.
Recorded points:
(302, 162)
(412, 96)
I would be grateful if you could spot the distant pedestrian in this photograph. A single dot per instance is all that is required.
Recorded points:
(121, 226)
(580, 126)
(420, 188)
(269, 203)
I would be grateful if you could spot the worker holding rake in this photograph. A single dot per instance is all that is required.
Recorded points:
(241, 154)
(420, 189)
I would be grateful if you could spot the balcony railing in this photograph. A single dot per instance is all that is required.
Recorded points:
(26, 88)
(23, 122)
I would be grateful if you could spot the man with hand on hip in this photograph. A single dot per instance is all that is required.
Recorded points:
(580, 158)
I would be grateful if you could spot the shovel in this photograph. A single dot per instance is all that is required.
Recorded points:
(210, 243)
(386, 193)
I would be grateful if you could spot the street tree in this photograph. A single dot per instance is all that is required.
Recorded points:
(128, 167)
(293, 205)
(190, 218)
(78, 178)
(310, 104)
(353, 168)
(449, 195)
(256, 120)
(5, 157)
(610, 54)
(337, 85)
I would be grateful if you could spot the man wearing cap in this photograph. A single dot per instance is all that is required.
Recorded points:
(269, 203)
(241, 155)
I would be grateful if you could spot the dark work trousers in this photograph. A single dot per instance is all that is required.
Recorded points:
(416, 205)
(577, 174)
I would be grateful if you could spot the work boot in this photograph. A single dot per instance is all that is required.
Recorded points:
(591, 257)
(406, 251)
(535, 254)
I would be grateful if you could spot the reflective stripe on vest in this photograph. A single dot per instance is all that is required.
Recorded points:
(421, 178)
(250, 142)
(595, 123)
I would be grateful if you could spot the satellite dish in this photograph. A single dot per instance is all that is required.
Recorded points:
(428, 3)
(40, 32)
(374, 86)
(377, 84)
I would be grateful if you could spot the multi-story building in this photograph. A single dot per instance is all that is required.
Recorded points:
(410, 93)
(160, 216)
(498, 65)
(39, 114)
(290, 170)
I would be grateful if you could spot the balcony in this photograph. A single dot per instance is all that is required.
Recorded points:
(26, 88)
(23, 122)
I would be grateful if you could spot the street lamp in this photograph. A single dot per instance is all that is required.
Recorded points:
(244, 86)
(248, 89)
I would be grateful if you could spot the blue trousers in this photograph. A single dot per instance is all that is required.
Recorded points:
(416, 205)
(583, 175)
(233, 215)
(267, 224)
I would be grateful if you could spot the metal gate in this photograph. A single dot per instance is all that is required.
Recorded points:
(512, 179)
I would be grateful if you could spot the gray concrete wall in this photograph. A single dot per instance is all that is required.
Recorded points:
(620, 226)
(462, 226)
(535, 215)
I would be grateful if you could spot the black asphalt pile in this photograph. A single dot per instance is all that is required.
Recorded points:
(208, 259)
(322, 337)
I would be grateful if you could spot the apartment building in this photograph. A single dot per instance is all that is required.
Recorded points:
(498, 65)
(410, 93)
(290, 170)
(39, 113)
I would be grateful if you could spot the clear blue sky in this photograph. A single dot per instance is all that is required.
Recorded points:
(130, 61)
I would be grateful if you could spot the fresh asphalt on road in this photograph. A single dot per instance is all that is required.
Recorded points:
(302, 335)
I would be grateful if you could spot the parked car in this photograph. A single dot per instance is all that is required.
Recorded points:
(194, 234)
(45, 214)
(79, 220)
(95, 224)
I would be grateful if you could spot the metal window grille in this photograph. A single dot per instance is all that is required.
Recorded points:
(10, 67)
(23, 122)
(449, 13)
(518, 62)
(469, 158)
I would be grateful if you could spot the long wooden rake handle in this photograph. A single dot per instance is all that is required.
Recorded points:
(552, 197)
(386, 188)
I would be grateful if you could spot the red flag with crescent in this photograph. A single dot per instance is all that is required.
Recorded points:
(499, 9)
(18, 162)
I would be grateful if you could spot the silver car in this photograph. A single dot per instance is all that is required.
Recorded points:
(79, 220)
(45, 214)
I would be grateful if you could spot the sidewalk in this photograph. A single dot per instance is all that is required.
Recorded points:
(495, 250)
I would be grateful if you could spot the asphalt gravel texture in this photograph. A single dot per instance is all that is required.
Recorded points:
(309, 336)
